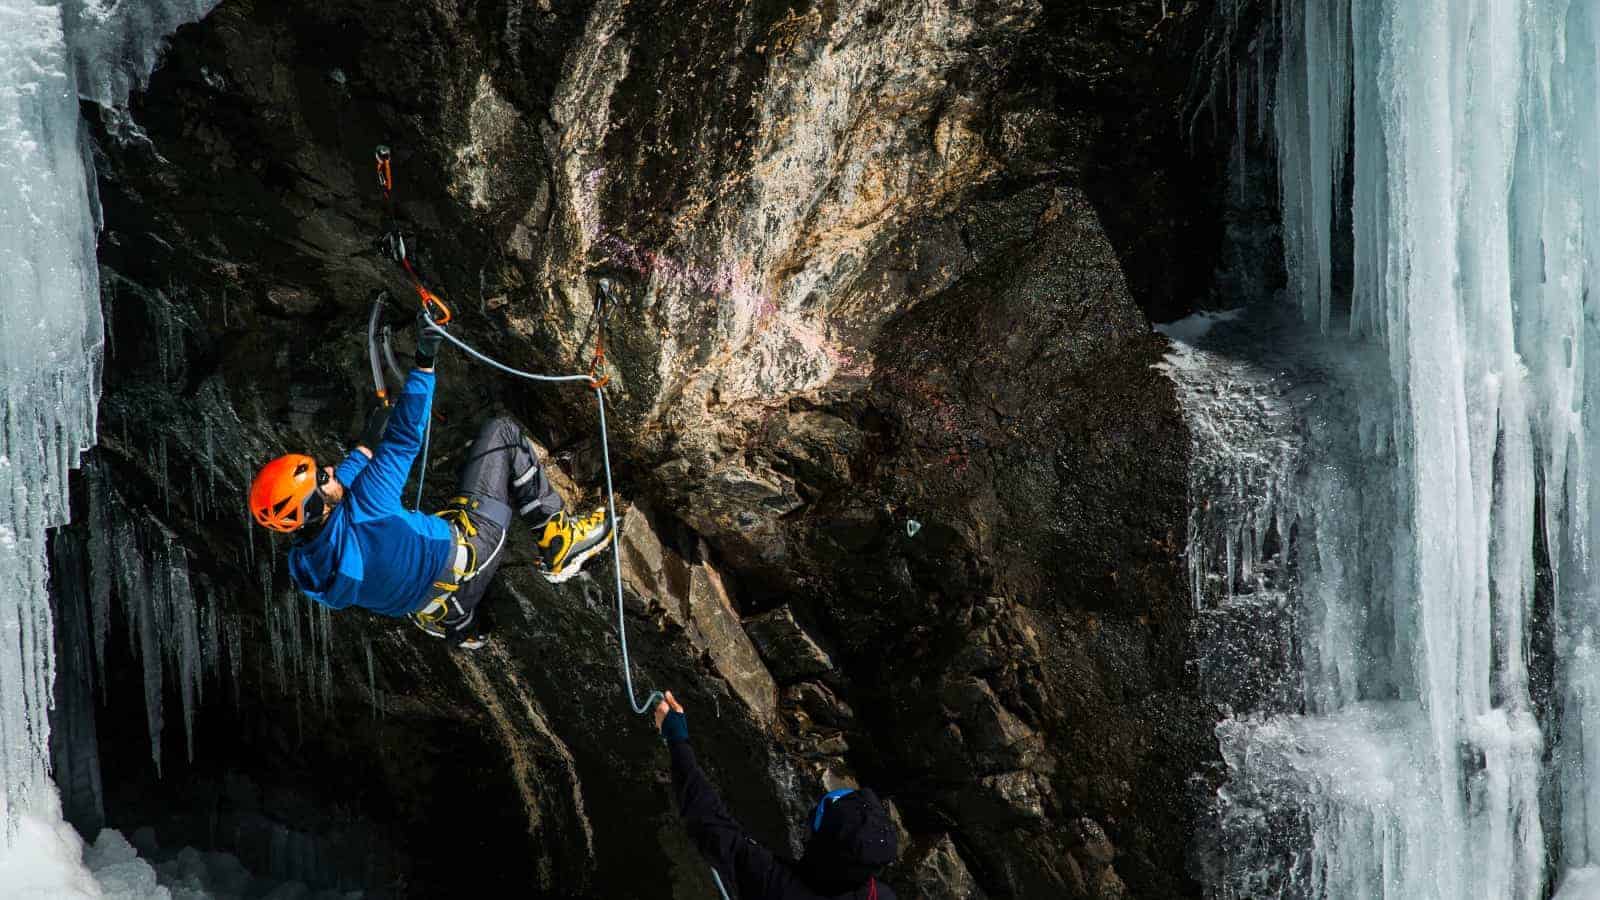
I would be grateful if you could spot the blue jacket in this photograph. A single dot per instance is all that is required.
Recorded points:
(373, 552)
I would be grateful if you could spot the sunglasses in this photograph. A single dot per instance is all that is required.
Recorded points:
(315, 505)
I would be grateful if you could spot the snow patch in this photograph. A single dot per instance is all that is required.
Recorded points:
(1580, 884)
(1190, 329)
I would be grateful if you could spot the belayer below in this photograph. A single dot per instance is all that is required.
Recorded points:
(851, 837)
(356, 545)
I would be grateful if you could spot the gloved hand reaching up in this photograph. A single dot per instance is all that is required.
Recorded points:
(429, 337)
(670, 720)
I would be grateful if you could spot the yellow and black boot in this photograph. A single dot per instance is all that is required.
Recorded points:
(565, 544)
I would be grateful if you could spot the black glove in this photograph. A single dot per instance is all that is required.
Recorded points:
(372, 434)
(428, 341)
(675, 728)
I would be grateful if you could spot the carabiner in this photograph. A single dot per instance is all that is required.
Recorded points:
(385, 174)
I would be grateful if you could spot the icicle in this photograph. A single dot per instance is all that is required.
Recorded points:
(325, 677)
(100, 566)
(165, 482)
(273, 620)
(295, 639)
(249, 537)
(197, 499)
(372, 676)
(210, 648)
(233, 633)
(211, 457)
(183, 632)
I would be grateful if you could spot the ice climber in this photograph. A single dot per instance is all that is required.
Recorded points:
(356, 545)
(850, 836)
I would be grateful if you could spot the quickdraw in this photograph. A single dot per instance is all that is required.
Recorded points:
(436, 309)
(395, 244)
(385, 174)
(604, 299)
(596, 364)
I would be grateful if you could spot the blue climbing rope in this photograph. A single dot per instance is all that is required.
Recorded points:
(422, 471)
(611, 502)
(616, 561)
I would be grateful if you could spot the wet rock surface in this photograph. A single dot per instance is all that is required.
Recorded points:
(877, 263)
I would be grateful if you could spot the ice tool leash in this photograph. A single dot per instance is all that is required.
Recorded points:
(430, 302)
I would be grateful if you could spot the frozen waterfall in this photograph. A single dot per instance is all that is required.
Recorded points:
(50, 341)
(50, 338)
(1460, 435)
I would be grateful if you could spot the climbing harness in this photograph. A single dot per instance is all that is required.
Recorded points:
(436, 619)
(430, 302)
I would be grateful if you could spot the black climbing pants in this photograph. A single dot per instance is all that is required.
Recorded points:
(500, 476)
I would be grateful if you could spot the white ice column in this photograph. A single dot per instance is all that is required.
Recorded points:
(50, 330)
(49, 366)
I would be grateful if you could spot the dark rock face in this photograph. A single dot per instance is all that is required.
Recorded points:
(906, 496)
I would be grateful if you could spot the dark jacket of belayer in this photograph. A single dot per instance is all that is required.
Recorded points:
(372, 552)
(831, 869)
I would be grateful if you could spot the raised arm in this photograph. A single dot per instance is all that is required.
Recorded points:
(354, 464)
(392, 456)
(378, 488)
(720, 837)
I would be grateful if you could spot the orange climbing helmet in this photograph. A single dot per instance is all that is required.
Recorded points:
(282, 491)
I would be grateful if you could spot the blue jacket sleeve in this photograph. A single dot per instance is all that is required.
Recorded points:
(352, 467)
(719, 836)
(378, 489)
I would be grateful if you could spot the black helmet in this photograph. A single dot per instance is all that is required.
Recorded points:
(851, 840)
